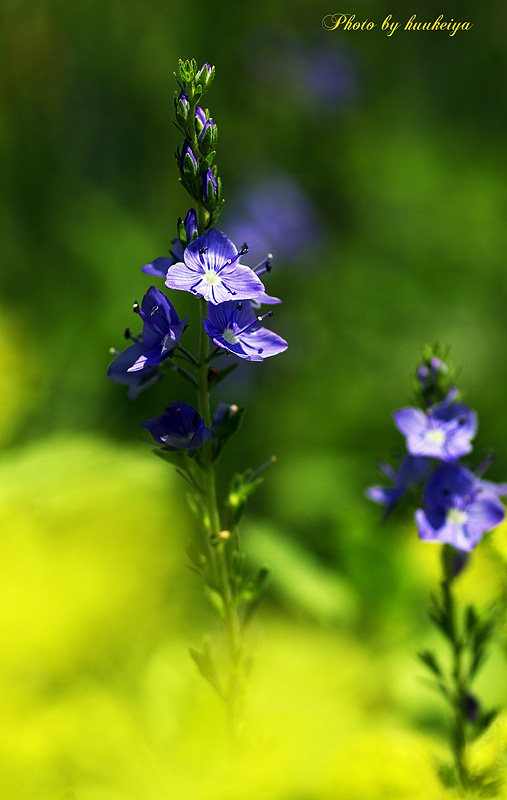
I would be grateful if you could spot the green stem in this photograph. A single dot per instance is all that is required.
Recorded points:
(218, 554)
(459, 689)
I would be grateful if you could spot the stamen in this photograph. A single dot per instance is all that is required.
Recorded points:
(244, 249)
(153, 310)
(203, 250)
(135, 307)
(239, 306)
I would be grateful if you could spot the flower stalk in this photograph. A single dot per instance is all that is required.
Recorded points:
(205, 263)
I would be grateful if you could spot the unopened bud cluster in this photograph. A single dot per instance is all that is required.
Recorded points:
(195, 159)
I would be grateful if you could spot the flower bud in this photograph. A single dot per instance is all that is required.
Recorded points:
(205, 76)
(182, 107)
(209, 189)
(190, 224)
(188, 162)
(200, 119)
(208, 137)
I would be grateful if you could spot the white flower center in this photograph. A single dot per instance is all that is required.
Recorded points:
(211, 277)
(435, 435)
(456, 517)
(230, 336)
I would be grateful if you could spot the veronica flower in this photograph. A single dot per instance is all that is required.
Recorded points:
(162, 331)
(444, 431)
(159, 266)
(232, 326)
(118, 371)
(459, 508)
(411, 471)
(180, 428)
(211, 269)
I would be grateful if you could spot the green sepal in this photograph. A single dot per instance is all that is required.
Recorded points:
(216, 377)
(207, 667)
(240, 489)
(228, 425)
(207, 162)
(429, 660)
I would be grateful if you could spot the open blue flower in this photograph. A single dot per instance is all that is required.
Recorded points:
(459, 508)
(162, 331)
(233, 326)
(211, 269)
(180, 428)
(411, 471)
(444, 431)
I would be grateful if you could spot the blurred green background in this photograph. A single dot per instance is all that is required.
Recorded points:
(374, 169)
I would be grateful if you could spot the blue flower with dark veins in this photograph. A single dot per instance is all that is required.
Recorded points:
(162, 331)
(211, 269)
(159, 266)
(411, 471)
(444, 431)
(233, 326)
(179, 428)
(458, 508)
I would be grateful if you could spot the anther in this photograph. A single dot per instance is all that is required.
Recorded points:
(239, 306)
(244, 249)
(127, 333)
(135, 307)
(202, 251)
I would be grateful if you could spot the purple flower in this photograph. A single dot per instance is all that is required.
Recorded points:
(212, 270)
(444, 431)
(179, 428)
(458, 508)
(159, 266)
(162, 331)
(232, 325)
(411, 471)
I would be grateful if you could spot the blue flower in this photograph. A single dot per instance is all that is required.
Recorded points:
(136, 381)
(411, 471)
(232, 326)
(179, 428)
(162, 331)
(459, 508)
(212, 270)
(444, 431)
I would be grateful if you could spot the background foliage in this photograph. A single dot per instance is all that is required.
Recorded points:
(374, 169)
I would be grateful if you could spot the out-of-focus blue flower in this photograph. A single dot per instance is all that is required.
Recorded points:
(458, 509)
(211, 269)
(412, 470)
(276, 215)
(162, 331)
(232, 325)
(444, 431)
(316, 75)
(180, 428)
(159, 266)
